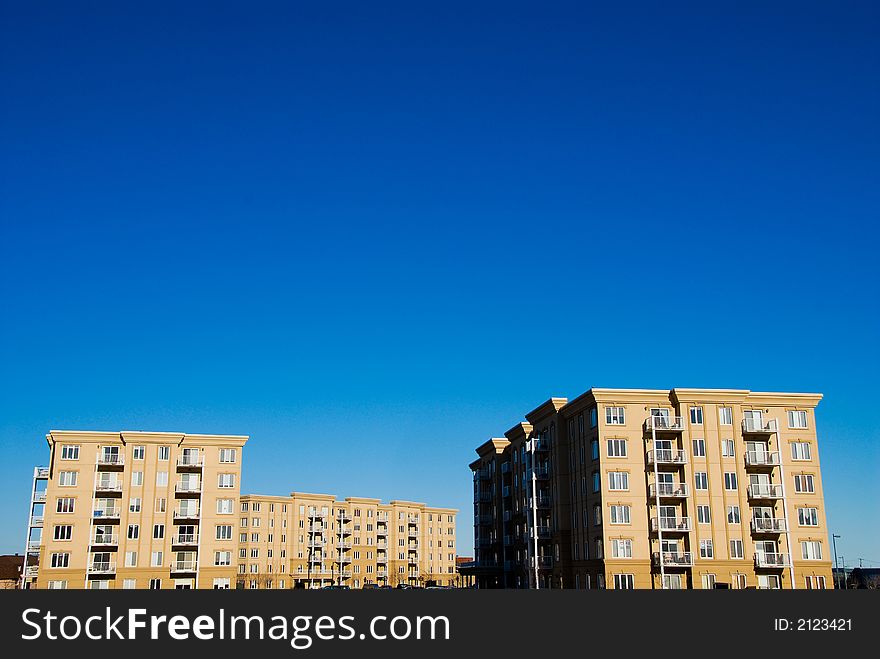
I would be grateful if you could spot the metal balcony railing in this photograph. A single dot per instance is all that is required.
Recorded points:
(39, 497)
(762, 458)
(186, 514)
(191, 460)
(671, 524)
(184, 487)
(763, 559)
(669, 490)
(542, 473)
(672, 456)
(102, 567)
(184, 566)
(673, 558)
(34, 545)
(111, 460)
(665, 423)
(542, 531)
(543, 562)
(108, 486)
(190, 539)
(765, 491)
(105, 540)
(768, 525)
(37, 521)
(106, 513)
(754, 426)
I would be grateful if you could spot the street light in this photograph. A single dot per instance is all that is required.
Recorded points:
(836, 569)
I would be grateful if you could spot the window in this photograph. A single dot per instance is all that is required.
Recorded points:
(616, 448)
(815, 582)
(725, 416)
(134, 505)
(129, 584)
(811, 550)
(620, 514)
(156, 559)
(67, 478)
(621, 548)
(704, 516)
(137, 452)
(162, 479)
(730, 480)
(699, 448)
(63, 532)
(803, 483)
(222, 583)
(800, 451)
(594, 449)
(224, 506)
(137, 478)
(133, 531)
(60, 559)
(733, 515)
(672, 582)
(797, 419)
(618, 480)
(593, 418)
(697, 415)
(158, 531)
(163, 453)
(227, 455)
(738, 581)
(615, 416)
(596, 484)
(224, 532)
(226, 480)
(222, 558)
(624, 582)
(57, 585)
(69, 452)
(155, 584)
(808, 516)
(706, 549)
(131, 559)
(65, 505)
(736, 549)
(727, 448)
(597, 514)
(701, 480)
(708, 581)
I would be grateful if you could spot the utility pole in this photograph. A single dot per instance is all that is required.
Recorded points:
(834, 538)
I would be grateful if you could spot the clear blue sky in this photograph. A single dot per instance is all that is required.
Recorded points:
(371, 235)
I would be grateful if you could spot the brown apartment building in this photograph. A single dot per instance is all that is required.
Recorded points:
(634, 488)
(314, 540)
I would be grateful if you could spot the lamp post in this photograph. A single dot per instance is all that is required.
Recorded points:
(834, 538)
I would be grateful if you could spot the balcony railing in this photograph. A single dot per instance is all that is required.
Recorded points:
(484, 520)
(765, 491)
(759, 426)
(543, 562)
(111, 460)
(673, 558)
(316, 558)
(413, 534)
(665, 423)
(184, 566)
(482, 473)
(105, 540)
(667, 456)
(106, 513)
(343, 544)
(183, 487)
(191, 461)
(542, 531)
(542, 473)
(771, 560)
(188, 539)
(762, 458)
(673, 524)
(505, 468)
(669, 490)
(316, 528)
(108, 486)
(483, 497)
(34, 545)
(768, 525)
(344, 516)
(542, 501)
(42, 472)
(186, 514)
(31, 571)
(412, 519)
(102, 567)
(541, 444)
(508, 540)
(36, 521)
(39, 496)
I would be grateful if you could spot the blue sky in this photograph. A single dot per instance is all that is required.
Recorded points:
(371, 235)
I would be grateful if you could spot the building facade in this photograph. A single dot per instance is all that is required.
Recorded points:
(631, 488)
(135, 510)
(314, 540)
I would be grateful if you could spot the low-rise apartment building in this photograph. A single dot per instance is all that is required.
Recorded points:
(314, 540)
(135, 510)
(633, 488)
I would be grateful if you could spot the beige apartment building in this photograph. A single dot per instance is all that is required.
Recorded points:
(135, 510)
(634, 488)
(314, 540)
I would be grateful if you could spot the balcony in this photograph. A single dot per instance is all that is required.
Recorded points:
(673, 559)
(506, 491)
(768, 525)
(34, 545)
(185, 540)
(759, 426)
(316, 557)
(102, 567)
(772, 561)
(317, 514)
(412, 520)
(187, 487)
(413, 534)
(343, 516)
(37, 521)
(543, 562)
(484, 541)
(484, 520)
(31, 571)
(667, 456)
(178, 567)
(762, 458)
(187, 514)
(481, 473)
(542, 501)
(542, 473)
(674, 424)
(41, 472)
(191, 461)
(40, 497)
(109, 486)
(316, 542)
(505, 468)
(106, 513)
(668, 490)
(543, 532)
(381, 531)
(111, 540)
(316, 528)
(346, 574)
(765, 491)
(483, 497)
(110, 460)
(381, 559)
(541, 444)
(382, 518)
(343, 560)
(671, 524)
(343, 544)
